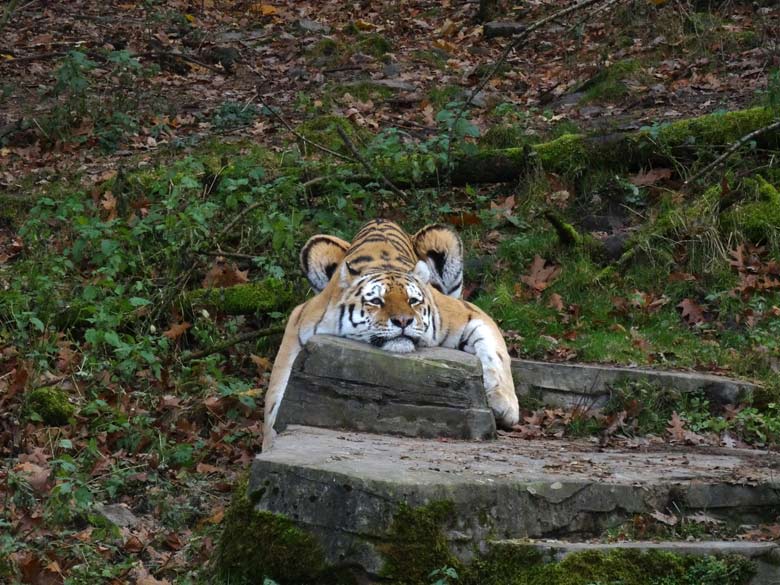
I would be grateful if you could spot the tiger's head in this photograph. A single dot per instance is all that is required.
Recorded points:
(381, 283)
(389, 309)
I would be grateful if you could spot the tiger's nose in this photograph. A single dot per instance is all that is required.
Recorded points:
(401, 321)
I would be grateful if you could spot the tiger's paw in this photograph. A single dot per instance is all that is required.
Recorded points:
(503, 403)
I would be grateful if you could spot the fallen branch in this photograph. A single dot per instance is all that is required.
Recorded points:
(195, 355)
(731, 150)
(181, 56)
(366, 165)
(516, 43)
(226, 254)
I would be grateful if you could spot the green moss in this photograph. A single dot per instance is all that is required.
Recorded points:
(327, 51)
(50, 405)
(363, 91)
(503, 136)
(609, 84)
(441, 96)
(324, 130)
(758, 220)
(714, 129)
(374, 44)
(258, 544)
(566, 155)
(416, 544)
(433, 58)
(264, 296)
(517, 564)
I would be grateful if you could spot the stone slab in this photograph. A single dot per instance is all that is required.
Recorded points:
(567, 385)
(338, 383)
(765, 555)
(346, 487)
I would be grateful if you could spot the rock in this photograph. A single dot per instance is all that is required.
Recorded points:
(347, 488)
(615, 245)
(502, 29)
(312, 26)
(394, 84)
(568, 385)
(118, 514)
(391, 70)
(338, 383)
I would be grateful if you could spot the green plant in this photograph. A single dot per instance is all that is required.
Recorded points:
(231, 115)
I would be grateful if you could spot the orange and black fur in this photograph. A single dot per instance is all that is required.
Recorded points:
(397, 292)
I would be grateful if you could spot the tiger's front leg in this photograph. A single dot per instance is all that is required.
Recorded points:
(288, 351)
(474, 332)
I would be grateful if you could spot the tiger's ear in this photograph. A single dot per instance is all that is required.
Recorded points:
(441, 249)
(422, 272)
(320, 257)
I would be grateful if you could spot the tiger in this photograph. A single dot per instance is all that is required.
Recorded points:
(396, 292)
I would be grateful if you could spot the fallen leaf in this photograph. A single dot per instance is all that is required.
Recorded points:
(224, 274)
(556, 302)
(177, 330)
(263, 363)
(668, 519)
(540, 275)
(206, 468)
(173, 541)
(108, 203)
(651, 177)
(361, 24)
(692, 313)
(676, 427)
(36, 475)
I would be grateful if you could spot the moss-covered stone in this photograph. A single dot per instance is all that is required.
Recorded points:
(255, 545)
(416, 543)
(264, 296)
(49, 405)
(758, 220)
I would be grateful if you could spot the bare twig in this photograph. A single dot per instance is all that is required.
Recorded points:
(183, 57)
(231, 342)
(238, 217)
(375, 172)
(517, 41)
(292, 130)
(731, 150)
(227, 254)
(591, 15)
(38, 57)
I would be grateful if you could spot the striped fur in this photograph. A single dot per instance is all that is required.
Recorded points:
(395, 292)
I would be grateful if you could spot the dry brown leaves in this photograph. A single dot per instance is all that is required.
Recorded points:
(691, 312)
(651, 177)
(540, 276)
(177, 330)
(756, 273)
(223, 274)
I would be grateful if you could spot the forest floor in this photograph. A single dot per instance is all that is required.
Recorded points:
(145, 152)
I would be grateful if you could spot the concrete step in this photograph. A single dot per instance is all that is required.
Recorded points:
(764, 555)
(573, 384)
(347, 487)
